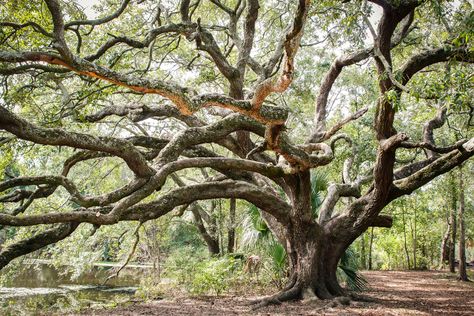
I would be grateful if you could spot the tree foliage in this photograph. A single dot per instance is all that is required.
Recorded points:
(230, 100)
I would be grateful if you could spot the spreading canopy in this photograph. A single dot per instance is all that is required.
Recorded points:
(213, 74)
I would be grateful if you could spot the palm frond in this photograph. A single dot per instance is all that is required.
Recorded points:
(255, 230)
(319, 183)
(348, 268)
(353, 279)
(278, 254)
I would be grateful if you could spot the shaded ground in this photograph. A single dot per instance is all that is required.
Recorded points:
(391, 293)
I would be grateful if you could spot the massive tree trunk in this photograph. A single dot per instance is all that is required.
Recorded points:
(313, 263)
(312, 252)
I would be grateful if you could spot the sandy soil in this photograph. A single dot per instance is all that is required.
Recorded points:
(391, 293)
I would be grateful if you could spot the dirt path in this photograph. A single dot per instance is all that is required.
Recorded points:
(392, 293)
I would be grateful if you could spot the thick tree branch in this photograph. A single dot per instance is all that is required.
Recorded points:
(58, 29)
(433, 56)
(179, 96)
(335, 70)
(291, 46)
(434, 149)
(54, 136)
(438, 167)
(335, 192)
(428, 127)
(249, 33)
(100, 21)
(167, 202)
(36, 242)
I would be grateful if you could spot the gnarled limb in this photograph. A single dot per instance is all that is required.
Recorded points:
(167, 202)
(99, 21)
(438, 167)
(428, 127)
(36, 242)
(55, 136)
(433, 56)
(335, 192)
(291, 45)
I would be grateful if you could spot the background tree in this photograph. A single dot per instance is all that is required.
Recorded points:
(217, 80)
(462, 231)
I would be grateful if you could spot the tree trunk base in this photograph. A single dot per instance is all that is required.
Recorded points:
(295, 291)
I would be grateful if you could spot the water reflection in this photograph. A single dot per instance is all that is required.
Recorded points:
(41, 288)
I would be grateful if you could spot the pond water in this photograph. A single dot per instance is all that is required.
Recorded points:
(41, 289)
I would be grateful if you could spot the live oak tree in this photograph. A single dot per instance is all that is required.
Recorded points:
(214, 70)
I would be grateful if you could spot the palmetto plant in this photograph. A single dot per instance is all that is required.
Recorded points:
(257, 235)
(348, 272)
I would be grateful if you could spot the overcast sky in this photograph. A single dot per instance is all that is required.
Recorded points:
(87, 4)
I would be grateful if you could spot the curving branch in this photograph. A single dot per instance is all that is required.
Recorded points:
(428, 143)
(36, 242)
(55, 136)
(437, 167)
(428, 127)
(290, 45)
(327, 84)
(179, 96)
(433, 56)
(100, 21)
(249, 34)
(166, 203)
(138, 113)
(35, 26)
(335, 192)
(30, 67)
(336, 69)
(432, 148)
(58, 29)
(321, 134)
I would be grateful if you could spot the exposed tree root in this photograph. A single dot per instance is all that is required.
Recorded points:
(293, 291)
(361, 298)
(286, 295)
(336, 302)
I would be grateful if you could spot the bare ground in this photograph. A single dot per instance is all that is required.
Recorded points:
(391, 293)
